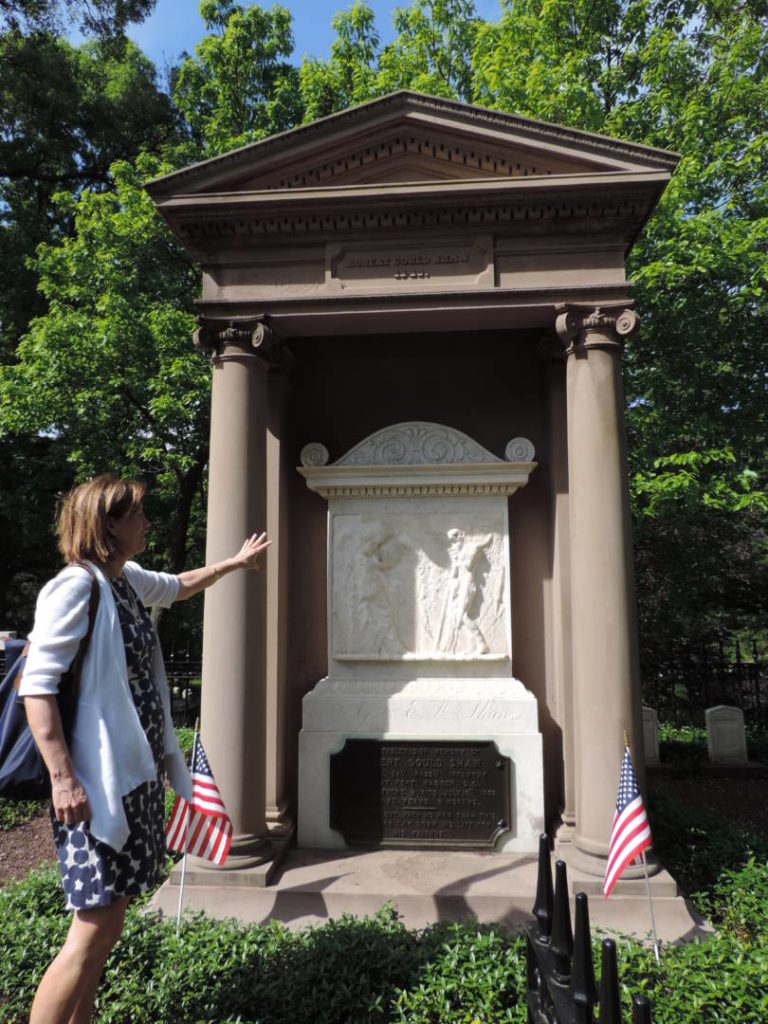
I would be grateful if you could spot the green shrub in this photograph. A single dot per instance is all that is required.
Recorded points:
(683, 748)
(17, 812)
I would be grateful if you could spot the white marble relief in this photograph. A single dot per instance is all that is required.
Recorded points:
(419, 586)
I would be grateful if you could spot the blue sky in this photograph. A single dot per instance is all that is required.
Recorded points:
(176, 25)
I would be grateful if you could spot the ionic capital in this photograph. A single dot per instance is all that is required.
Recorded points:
(580, 328)
(243, 339)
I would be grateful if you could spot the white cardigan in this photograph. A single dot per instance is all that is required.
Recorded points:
(110, 751)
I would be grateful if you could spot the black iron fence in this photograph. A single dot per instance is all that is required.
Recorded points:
(682, 679)
(560, 972)
(183, 668)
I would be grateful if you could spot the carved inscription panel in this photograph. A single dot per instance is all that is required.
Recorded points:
(422, 586)
(420, 793)
(406, 267)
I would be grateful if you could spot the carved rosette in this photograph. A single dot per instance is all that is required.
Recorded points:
(314, 454)
(519, 449)
(583, 328)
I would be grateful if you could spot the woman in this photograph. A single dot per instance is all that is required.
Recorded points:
(107, 783)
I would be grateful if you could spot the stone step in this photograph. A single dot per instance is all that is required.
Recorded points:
(312, 886)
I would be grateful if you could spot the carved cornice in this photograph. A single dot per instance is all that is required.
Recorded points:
(196, 227)
(582, 328)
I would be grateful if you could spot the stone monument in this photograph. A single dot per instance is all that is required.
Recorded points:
(419, 698)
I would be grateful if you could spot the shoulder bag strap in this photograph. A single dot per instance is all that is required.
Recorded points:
(93, 607)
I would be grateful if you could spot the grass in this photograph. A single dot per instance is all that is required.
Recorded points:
(375, 969)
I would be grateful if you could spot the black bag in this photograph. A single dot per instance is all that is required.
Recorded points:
(23, 775)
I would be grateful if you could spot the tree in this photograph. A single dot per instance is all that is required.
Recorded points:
(109, 366)
(105, 18)
(70, 113)
(349, 75)
(238, 87)
(432, 52)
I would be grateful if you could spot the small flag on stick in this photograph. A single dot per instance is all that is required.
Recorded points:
(631, 833)
(200, 826)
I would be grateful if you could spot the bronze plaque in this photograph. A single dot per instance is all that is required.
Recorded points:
(420, 792)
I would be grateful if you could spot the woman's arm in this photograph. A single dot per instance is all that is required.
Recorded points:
(70, 802)
(195, 580)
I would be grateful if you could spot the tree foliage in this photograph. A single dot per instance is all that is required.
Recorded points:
(104, 18)
(108, 365)
(239, 86)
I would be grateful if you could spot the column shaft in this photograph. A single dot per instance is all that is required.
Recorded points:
(233, 700)
(605, 663)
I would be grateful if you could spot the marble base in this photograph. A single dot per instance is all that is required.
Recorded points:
(501, 710)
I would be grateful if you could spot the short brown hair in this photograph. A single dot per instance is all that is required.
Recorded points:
(81, 523)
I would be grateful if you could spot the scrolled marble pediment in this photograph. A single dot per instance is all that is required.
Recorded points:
(417, 459)
(417, 444)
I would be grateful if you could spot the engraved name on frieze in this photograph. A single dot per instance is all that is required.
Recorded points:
(470, 263)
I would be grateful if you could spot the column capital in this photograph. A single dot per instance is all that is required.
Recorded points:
(583, 327)
(244, 339)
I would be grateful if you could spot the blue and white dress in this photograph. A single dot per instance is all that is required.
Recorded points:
(93, 874)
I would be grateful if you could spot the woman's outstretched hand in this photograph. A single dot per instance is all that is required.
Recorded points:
(248, 555)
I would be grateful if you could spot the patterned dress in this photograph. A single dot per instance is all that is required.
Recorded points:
(93, 874)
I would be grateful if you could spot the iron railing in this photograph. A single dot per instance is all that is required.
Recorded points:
(560, 972)
(682, 679)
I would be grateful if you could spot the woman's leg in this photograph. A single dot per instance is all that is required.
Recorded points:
(68, 988)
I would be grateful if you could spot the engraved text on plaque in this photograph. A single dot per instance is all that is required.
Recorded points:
(420, 792)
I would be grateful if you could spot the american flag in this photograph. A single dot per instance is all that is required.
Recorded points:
(210, 830)
(631, 833)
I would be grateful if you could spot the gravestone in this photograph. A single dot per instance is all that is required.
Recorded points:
(726, 736)
(419, 735)
(650, 735)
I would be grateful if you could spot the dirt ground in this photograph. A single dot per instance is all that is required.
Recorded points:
(25, 847)
(743, 799)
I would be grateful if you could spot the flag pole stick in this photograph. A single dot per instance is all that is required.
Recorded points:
(186, 834)
(647, 882)
(653, 918)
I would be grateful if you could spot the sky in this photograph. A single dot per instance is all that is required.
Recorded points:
(176, 25)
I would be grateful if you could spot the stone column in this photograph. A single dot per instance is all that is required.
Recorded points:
(560, 695)
(606, 688)
(279, 818)
(234, 655)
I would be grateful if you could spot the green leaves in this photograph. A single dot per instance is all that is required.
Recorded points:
(110, 366)
(238, 87)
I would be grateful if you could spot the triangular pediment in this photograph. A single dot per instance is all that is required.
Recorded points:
(408, 137)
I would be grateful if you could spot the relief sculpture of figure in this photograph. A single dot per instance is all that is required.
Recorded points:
(459, 630)
(376, 619)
